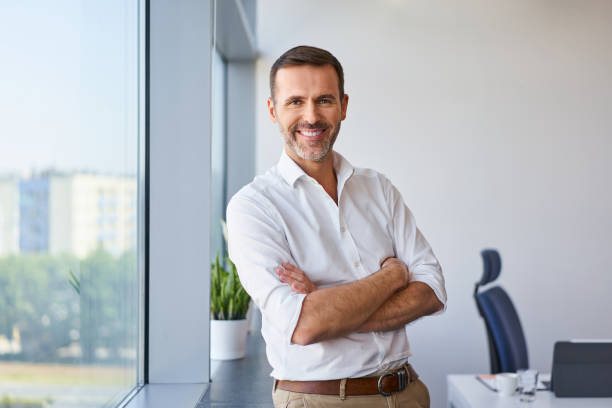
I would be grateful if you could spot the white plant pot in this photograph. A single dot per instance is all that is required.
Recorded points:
(228, 339)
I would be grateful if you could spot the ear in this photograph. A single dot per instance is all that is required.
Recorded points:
(271, 110)
(344, 105)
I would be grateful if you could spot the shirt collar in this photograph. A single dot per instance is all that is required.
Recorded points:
(344, 170)
(291, 171)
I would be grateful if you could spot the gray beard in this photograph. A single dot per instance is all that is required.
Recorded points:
(301, 151)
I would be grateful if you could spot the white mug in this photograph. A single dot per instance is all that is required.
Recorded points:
(506, 383)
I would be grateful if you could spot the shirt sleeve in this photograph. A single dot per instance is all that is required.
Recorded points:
(412, 247)
(257, 246)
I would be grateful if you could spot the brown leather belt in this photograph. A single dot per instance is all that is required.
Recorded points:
(386, 384)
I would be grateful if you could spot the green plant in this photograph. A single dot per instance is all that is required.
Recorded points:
(228, 299)
(74, 282)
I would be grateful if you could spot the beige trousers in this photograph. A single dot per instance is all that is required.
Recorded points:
(415, 395)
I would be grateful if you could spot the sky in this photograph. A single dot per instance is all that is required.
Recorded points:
(69, 85)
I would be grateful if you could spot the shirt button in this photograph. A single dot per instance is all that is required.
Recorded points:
(356, 264)
(342, 229)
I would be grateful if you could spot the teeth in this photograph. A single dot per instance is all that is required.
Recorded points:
(311, 132)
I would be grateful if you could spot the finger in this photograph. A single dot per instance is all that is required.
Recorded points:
(294, 272)
(286, 268)
(391, 261)
(382, 264)
(291, 267)
(299, 276)
(282, 275)
(289, 280)
(298, 287)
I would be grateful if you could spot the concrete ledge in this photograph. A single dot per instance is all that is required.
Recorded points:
(168, 395)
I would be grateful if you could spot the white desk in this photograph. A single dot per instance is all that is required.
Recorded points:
(465, 391)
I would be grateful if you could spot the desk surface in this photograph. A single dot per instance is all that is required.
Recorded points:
(464, 391)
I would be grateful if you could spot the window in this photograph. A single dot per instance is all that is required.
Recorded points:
(218, 153)
(70, 202)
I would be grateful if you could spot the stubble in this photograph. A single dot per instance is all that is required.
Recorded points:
(301, 148)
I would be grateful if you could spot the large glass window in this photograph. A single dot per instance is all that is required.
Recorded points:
(70, 202)
(218, 152)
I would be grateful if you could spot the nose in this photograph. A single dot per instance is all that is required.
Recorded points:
(309, 113)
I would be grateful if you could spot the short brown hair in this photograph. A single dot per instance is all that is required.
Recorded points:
(306, 55)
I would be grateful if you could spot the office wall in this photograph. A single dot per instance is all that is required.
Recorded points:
(494, 119)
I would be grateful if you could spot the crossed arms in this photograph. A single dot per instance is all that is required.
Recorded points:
(304, 314)
(385, 300)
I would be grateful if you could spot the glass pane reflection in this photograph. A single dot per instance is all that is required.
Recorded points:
(69, 273)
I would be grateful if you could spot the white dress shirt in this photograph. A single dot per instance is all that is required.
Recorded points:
(286, 216)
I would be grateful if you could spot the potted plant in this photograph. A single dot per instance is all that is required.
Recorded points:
(229, 304)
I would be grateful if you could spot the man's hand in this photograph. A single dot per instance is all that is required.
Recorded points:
(407, 305)
(295, 278)
(399, 265)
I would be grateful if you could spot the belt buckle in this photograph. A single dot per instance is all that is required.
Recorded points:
(401, 380)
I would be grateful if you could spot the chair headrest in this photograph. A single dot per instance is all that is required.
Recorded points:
(492, 266)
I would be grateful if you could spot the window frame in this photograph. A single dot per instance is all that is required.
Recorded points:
(177, 110)
(176, 106)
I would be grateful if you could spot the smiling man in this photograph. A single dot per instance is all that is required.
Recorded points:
(331, 255)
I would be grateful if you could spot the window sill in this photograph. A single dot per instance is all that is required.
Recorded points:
(168, 395)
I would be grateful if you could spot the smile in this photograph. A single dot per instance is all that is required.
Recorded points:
(311, 133)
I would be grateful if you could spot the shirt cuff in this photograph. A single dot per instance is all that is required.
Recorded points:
(440, 293)
(296, 316)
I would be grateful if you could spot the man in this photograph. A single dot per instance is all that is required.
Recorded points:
(331, 255)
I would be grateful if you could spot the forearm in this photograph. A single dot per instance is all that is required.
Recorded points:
(332, 312)
(414, 301)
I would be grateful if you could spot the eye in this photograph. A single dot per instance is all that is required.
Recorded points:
(324, 100)
(295, 102)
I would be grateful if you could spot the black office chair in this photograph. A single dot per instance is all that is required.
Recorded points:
(507, 346)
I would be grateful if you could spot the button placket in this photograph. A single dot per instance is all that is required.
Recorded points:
(349, 243)
(354, 254)
(340, 217)
(333, 208)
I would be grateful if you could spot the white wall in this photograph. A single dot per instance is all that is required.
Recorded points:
(494, 119)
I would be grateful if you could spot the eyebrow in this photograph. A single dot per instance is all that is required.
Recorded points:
(297, 97)
(327, 96)
(292, 98)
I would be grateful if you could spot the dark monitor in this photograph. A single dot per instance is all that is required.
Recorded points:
(582, 369)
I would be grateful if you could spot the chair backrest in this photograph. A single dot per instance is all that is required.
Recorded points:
(507, 345)
(491, 266)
